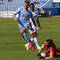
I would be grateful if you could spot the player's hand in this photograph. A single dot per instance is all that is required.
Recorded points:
(14, 17)
(38, 28)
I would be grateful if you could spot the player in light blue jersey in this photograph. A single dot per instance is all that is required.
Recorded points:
(24, 16)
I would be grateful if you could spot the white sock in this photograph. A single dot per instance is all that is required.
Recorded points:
(35, 40)
(32, 39)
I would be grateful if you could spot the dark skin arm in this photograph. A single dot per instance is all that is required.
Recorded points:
(38, 23)
(33, 21)
(39, 27)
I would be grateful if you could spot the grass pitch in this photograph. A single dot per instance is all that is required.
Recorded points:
(12, 44)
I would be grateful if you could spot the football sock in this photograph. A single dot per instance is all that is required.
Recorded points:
(27, 38)
(32, 39)
(35, 40)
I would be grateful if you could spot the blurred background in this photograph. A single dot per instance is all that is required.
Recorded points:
(46, 7)
(12, 44)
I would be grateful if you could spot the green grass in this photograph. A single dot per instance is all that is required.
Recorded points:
(12, 44)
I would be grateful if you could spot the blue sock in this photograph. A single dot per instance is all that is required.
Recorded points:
(27, 38)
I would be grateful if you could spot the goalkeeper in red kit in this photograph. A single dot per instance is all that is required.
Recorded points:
(51, 50)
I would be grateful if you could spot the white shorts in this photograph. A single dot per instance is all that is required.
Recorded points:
(34, 29)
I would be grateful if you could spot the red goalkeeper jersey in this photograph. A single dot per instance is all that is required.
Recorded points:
(51, 51)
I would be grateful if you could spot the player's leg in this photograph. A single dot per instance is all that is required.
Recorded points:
(23, 32)
(33, 32)
(36, 40)
(26, 45)
(27, 26)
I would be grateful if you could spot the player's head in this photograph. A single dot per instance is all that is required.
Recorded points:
(49, 42)
(32, 6)
(26, 4)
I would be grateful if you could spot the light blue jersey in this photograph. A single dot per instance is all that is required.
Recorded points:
(24, 21)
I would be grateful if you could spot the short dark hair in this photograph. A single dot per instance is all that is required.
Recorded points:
(26, 1)
(50, 41)
(32, 4)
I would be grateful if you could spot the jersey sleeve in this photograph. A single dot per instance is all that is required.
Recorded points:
(17, 11)
(42, 46)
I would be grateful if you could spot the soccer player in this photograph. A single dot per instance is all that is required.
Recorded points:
(24, 16)
(51, 50)
(34, 29)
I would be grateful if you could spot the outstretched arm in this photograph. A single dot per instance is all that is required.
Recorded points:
(17, 12)
(49, 57)
(40, 50)
(14, 17)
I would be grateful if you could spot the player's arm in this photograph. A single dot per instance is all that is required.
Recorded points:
(33, 21)
(40, 50)
(14, 17)
(38, 22)
(49, 57)
(15, 13)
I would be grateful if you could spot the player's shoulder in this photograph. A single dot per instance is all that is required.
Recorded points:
(44, 43)
(30, 11)
(20, 8)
